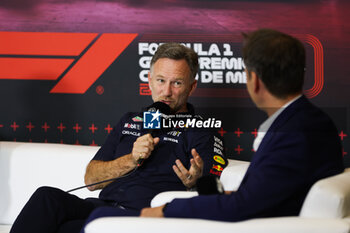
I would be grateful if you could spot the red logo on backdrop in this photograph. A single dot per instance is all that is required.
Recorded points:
(144, 89)
(76, 59)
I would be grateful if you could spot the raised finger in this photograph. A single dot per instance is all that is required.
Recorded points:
(179, 173)
(181, 167)
(194, 165)
(197, 158)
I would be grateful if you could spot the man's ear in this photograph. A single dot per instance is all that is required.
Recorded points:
(149, 80)
(255, 81)
(193, 87)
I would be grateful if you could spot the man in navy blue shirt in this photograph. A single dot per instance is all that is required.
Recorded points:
(296, 146)
(173, 159)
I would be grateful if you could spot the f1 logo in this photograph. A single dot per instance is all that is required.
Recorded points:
(229, 92)
(151, 120)
(78, 59)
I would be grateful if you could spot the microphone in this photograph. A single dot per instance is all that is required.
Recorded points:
(162, 108)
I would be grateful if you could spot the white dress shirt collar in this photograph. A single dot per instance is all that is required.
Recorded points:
(264, 127)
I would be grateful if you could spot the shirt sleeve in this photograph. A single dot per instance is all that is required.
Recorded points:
(108, 149)
(210, 147)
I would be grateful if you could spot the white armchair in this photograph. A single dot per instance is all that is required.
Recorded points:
(24, 167)
(326, 209)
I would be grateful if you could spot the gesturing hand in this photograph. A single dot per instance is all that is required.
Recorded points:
(189, 177)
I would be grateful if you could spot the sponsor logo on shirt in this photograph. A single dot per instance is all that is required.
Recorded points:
(218, 140)
(133, 133)
(132, 126)
(217, 167)
(215, 172)
(137, 119)
(218, 146)
(219, 159)
(217, 151)
(170, 139)
(174, 133)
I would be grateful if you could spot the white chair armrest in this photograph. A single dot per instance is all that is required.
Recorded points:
(24, 167)
(5, 228)
(165, 197)
(328, 198)
(233, 174)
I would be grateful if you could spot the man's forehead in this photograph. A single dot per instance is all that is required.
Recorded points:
(171, 60)
(174, 77)
(171, 67)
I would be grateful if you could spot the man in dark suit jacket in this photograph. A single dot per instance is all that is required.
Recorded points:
(296, 146)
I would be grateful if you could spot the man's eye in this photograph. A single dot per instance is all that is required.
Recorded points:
(177, 84)
(160, 80)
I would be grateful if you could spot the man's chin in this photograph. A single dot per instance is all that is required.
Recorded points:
(173, 108)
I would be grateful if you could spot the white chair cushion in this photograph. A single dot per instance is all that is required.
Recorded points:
(328, 198)
(5, 228)
(165, 197)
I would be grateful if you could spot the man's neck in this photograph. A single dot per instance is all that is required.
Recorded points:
(274, 104)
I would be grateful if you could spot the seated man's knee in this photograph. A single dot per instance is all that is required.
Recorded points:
(100, 212)
(111, 211)
(46, 192)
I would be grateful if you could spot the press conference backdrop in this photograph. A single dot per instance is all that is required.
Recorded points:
(70, 69)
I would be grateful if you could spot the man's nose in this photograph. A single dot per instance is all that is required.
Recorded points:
(167, 89)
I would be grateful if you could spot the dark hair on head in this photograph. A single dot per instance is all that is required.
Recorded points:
(178, 51)
(278, 60)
